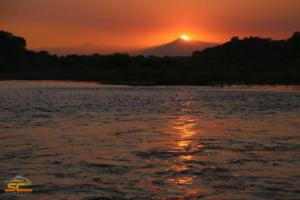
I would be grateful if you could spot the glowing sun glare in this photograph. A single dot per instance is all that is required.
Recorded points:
(185, 37)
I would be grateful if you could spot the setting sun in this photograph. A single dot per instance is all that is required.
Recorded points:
(185, 37)
(171, 97)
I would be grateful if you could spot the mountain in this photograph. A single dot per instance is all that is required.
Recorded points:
(251, 60)
(179, 47)
(86, 49)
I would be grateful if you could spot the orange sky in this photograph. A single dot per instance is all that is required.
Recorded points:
(130, 23)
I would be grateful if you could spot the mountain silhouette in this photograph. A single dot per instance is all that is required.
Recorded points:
(179, 47)
(85, 49)
(251, 60)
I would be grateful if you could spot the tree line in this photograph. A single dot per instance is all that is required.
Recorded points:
(250, 60)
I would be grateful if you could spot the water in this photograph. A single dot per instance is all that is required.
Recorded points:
(88, 141)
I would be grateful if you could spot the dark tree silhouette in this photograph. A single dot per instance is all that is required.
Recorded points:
(251, 60)
(11, 47)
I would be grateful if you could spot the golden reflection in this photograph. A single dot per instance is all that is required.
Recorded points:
(181, 181)
(185, 130)
(179, 168)
(195, 192)
(185, 125)
(186, 142)
(186, 158)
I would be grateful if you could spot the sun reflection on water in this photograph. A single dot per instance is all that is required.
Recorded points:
(181, 181)
(186, 142)
(186, 158)
(179, 168)
(185, 127)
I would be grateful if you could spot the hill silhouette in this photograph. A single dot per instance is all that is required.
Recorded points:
(177, 47)
(251, 60)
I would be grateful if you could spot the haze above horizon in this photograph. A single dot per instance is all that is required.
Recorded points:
(123, 24)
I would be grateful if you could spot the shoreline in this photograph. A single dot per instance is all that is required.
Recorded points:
(137, 83)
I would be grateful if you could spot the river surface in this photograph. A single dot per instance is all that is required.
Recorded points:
(86, 141)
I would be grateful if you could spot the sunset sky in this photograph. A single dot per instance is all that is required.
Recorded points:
(140, 23)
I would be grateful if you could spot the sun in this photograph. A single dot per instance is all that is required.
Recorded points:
(185, 37)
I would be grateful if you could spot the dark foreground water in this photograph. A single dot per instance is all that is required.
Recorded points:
(87, 141)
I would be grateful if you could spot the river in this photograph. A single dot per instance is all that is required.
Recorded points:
(87, 141)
